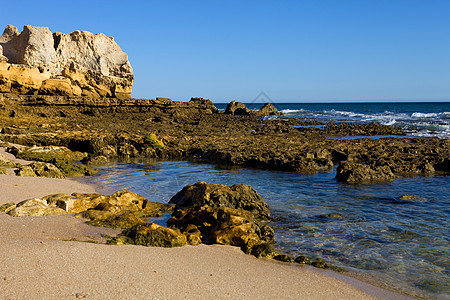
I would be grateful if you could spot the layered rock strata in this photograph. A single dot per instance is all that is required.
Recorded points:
(37, 61)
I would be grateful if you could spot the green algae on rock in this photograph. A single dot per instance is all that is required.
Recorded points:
(151, 235)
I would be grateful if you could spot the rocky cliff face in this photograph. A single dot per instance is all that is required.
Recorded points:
(76, 64)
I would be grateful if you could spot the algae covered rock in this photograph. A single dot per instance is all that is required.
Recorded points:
(153, 235)
(355, 173)
(238, 196)
(125, 220)
(40, 169)
(46, 170)
(222, 225)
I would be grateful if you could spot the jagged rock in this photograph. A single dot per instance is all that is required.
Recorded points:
(236, 108)
(223, 225)
(3, 171)
(238, 196)
(76, 64)
(355, 173)
(153, 235)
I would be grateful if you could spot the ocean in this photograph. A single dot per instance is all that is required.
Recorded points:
(370, 230)
(423, 119)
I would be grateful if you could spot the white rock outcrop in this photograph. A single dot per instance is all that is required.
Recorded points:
(76, 64)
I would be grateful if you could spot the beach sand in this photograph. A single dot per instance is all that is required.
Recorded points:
(38, 260)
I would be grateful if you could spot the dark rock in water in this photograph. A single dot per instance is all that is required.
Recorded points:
(355, 173)
(266, 250)
(303, 260)
(237, 108)
(283, 257)
(412, 198)
(153, 235)
(95, 160)
(320, 263)
(239, 196)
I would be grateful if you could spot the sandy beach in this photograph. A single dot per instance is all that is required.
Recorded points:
(51, 257)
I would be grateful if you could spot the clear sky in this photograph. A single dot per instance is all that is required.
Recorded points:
(301, 51)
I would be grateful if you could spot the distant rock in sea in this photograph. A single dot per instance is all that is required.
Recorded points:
(76, 64)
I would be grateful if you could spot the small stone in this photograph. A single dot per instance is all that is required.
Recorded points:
(302, 260)
(283, 257)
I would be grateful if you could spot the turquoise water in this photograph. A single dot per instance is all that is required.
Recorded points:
(365, 228)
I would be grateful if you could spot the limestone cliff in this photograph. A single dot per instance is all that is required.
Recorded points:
(76, 64)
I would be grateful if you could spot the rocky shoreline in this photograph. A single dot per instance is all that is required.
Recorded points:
(108, 129)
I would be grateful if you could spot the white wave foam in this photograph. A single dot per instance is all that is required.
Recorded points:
(290, 111)
(424, 115)
(390, 122)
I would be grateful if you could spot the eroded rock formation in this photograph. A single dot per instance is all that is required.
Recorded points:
(76, 64)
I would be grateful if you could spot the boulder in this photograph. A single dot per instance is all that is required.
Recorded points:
(204, 104)
(355, 173)
(269, 109)
(223, 225)
(76, 64)
(236, 108)
(239, 196)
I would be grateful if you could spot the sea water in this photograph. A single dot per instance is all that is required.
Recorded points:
(423, 119)
(401, 242)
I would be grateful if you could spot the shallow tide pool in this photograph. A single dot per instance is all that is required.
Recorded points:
(368, 229)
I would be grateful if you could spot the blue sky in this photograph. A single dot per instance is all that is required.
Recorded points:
(301, 51)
